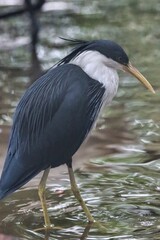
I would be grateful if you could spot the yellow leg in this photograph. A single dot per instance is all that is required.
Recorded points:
(42, 196)
(77, 195)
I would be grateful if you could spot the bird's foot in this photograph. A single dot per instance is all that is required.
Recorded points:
(100, 226)
(48, 228)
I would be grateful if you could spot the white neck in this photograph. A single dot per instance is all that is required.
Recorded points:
(100, 68)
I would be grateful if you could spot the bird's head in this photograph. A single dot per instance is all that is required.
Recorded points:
(111, 54)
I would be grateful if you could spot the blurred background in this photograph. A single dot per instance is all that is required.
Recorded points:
(117, 169)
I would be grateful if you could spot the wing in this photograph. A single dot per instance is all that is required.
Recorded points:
(51, 121)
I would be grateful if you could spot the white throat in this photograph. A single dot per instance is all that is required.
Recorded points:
(100, 68)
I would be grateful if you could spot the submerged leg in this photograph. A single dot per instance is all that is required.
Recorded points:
(42, 196)
(77, 194)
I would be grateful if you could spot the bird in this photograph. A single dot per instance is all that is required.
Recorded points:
(58, 111)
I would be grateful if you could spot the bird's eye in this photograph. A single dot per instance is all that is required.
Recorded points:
(119, 59)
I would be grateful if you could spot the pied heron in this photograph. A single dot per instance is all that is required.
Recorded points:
(57, 112)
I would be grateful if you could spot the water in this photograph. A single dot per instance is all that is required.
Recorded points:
(117, 170)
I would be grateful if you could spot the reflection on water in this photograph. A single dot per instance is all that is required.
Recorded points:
(117, 169)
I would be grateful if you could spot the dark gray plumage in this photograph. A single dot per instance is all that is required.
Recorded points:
(50, 123)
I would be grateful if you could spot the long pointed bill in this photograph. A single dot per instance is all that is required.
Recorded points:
(129, 68)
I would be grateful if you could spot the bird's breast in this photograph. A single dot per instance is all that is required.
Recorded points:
(110, 82)
(94, 65)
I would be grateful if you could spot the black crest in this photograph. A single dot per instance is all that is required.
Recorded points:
(108, 48)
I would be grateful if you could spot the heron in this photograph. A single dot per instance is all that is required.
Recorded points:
(58, 111)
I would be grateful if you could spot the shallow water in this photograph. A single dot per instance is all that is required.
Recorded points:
(117, 169)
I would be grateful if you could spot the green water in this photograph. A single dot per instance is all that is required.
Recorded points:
(117, 169)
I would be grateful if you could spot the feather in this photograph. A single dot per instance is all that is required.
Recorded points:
(51, 121)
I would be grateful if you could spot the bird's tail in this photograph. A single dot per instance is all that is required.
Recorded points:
(2, 195)
(10, 185)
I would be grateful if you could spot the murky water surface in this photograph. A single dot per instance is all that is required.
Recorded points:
(118, 168)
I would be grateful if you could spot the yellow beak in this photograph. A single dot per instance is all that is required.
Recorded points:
(129, 68)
